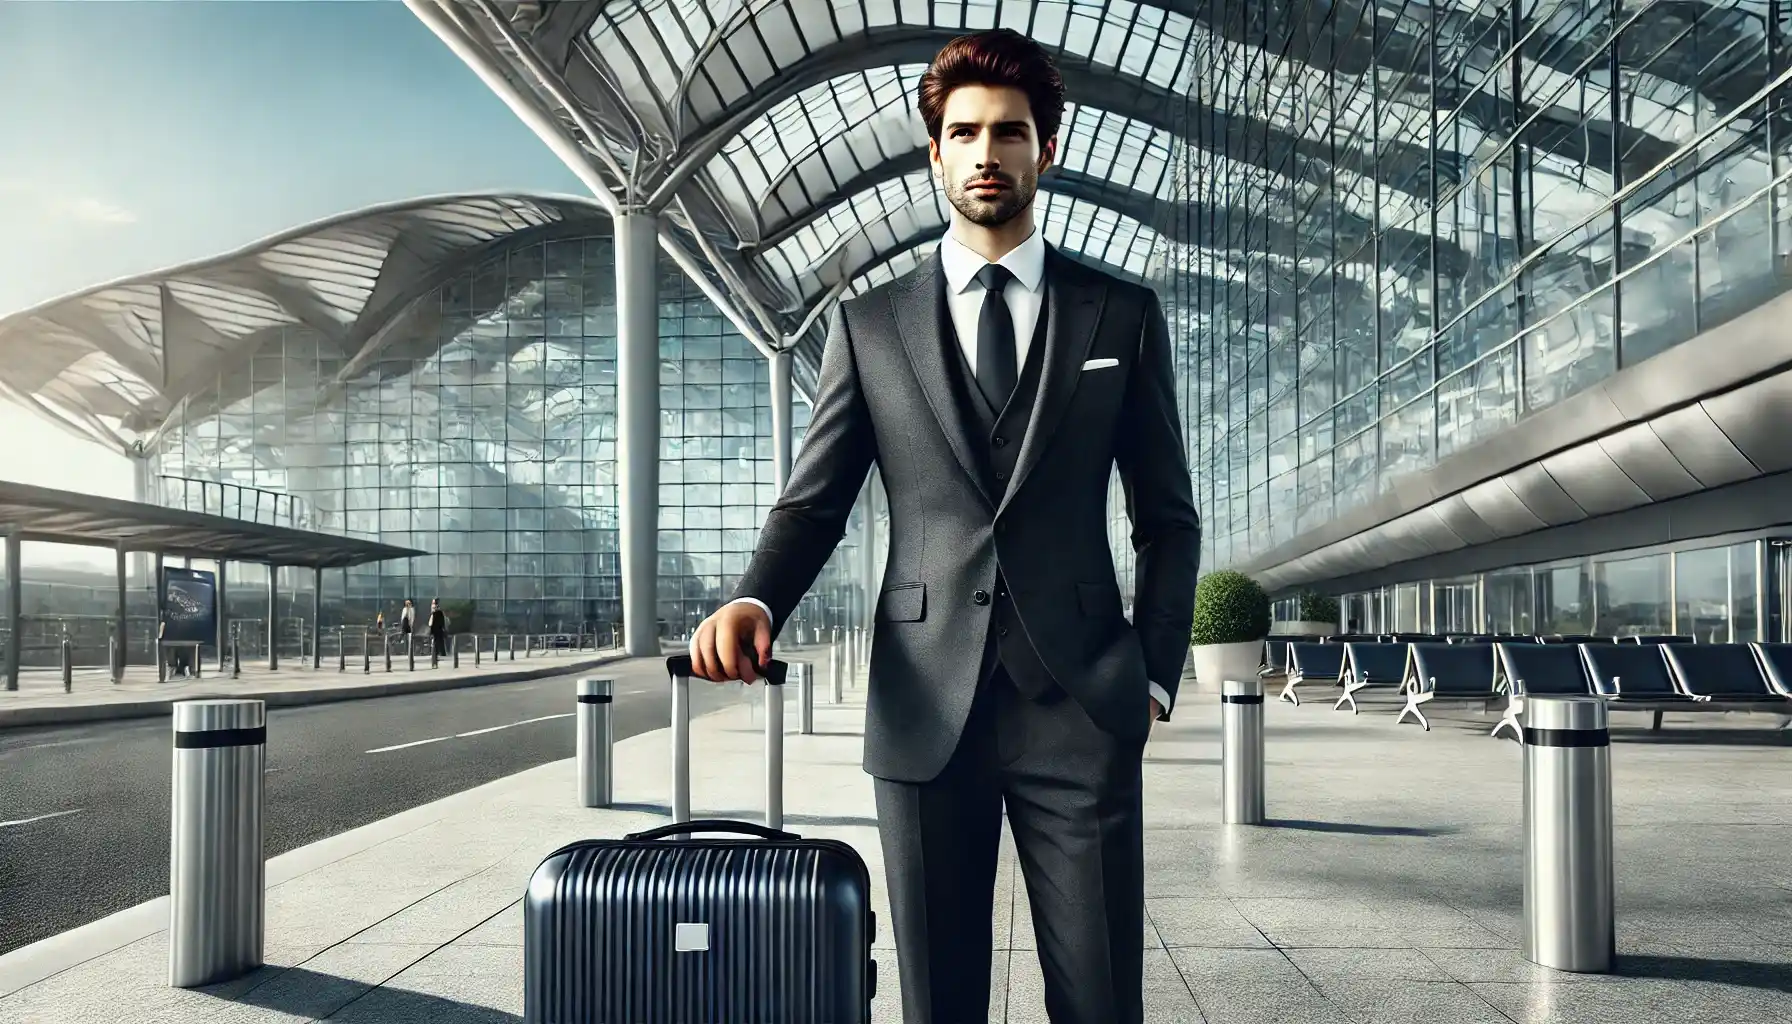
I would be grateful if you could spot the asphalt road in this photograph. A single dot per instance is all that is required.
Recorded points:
(84, 809)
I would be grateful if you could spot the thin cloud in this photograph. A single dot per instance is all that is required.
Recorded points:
(61, 205)
(94, 211)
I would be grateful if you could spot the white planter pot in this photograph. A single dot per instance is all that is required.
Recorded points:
(1215, 663)
(1307, 628)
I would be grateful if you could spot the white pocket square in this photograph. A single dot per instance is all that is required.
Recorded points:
(1100, 364)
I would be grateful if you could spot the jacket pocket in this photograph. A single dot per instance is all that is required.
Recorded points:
(902, 602)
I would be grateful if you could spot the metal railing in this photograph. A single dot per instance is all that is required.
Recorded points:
(347, 648)
(233, 501)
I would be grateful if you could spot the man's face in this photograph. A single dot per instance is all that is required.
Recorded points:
(989, 155)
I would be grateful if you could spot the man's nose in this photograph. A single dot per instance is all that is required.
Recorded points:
(984, 150)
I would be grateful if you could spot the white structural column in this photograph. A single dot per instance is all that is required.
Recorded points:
(869, 501)
(143, 489)
(273, 618)
(221, 596)
(121, 623)
(638, 427)
(15, 601)
(783, 435)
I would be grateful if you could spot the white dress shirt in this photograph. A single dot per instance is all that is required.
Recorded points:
(1025, 293)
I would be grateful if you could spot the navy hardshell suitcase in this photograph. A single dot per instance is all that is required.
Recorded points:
(762, 926)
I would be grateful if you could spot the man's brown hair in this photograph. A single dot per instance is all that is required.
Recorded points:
(999, 57)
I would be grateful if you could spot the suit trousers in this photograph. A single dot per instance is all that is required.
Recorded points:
(1072, 797)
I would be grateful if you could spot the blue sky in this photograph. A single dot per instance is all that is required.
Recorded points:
(139, 135)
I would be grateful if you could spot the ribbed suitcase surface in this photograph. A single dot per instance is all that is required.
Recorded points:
(648, 930)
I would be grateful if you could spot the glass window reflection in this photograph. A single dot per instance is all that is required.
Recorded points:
(1580, 186)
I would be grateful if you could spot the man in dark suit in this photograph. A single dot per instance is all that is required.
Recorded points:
(996, 389)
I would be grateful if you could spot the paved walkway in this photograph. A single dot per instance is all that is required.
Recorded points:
(1387, 888)
(41, 700)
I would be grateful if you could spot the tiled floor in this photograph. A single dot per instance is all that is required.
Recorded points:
(1386, 888)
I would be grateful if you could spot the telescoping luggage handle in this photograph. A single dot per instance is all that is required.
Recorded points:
(679, 666)
(774, 673)
(745, 828)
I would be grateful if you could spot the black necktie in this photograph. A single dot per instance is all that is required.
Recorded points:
(996, 355)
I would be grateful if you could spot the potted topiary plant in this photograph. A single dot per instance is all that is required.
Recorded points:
(1231, 620)
(1316, 615)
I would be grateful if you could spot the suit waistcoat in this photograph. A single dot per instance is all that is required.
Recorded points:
(997, 445)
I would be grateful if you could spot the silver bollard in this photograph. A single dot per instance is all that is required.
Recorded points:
(477, 656)
(454, 650)
(1241, 751)
(68, 665)
(510, 642)
(1568, 887)
(596, 744)
(836, 674)
(410, 652)
(217, 881)
(805, 691)
(341, 649)
(386, 649)
(366, 656)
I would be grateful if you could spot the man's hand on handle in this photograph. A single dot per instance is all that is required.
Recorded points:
(732, 643)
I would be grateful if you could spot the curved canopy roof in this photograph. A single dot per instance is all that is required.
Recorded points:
(111, 363)
(780, 140)
(758, 124)
(782, 134)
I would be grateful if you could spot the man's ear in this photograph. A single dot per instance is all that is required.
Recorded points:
(1048, 154)
(933, 160)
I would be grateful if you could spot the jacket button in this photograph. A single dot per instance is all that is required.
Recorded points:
(1000, 441)
(980, 597)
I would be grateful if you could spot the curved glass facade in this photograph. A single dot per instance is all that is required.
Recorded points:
(482, 429)
(1407, 226)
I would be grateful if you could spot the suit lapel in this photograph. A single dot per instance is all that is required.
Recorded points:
(922, 320)
(1073, 309)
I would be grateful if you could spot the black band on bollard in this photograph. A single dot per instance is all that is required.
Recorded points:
(209, 738)
(1567, 737)
(595, 698)
(1241, 698)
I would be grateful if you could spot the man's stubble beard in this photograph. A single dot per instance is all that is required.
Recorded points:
(1013, 202)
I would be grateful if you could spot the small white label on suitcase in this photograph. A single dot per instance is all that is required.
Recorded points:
(690, 938)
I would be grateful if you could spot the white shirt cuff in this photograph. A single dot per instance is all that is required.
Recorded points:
(761, 605)
(1162, 695)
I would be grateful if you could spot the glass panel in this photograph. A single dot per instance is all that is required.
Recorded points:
(1564, 601)
(1745, 613)
(1408, 608)
(1510, 603)
(491, 447)
(1702, 594)
(1631, 597)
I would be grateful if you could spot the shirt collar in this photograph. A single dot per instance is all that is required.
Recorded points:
(1025, 261)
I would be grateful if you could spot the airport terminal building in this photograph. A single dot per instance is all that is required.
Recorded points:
(1476, 306)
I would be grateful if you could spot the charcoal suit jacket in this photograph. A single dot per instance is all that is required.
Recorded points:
(1106, 398)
